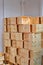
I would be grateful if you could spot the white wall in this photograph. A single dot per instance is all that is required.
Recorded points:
(1, 25)
(41, 8)
(11, 8)
(32, 8)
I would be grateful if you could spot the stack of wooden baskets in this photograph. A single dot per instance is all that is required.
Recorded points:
(23, 40)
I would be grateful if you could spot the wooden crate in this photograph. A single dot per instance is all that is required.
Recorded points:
(24, 20)
(24, 61)
(36, 37)
(16, 36)
(13, 20)
(13, 28)
(35, 20)
(35, 62)
(34, 54)
(27, 36)
(13, 51)
(6, 35)
(19, 44)
(39, 28)
(36, 41)
(36, 46)
(27, 20)
(24, 28)
(36, 58)
(23, 53)
(7, 43)
(28, 45)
